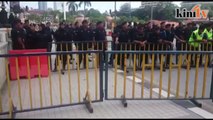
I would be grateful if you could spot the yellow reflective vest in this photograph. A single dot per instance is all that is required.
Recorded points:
(199, 37)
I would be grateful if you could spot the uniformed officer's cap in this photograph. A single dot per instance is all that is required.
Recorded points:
(84, 21)
(162, 23)
(123, 23)
(61, 23)
(168, 25)
(99, 22)
(202, 27)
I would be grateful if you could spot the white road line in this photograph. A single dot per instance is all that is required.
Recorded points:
(163, 92)
(137, 80)
(119, 71)
(201, 112)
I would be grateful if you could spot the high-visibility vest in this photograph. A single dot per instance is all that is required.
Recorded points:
(209, 35)
(198, 37)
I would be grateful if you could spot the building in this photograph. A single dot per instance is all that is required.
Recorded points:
(42, 6)
(58, 6)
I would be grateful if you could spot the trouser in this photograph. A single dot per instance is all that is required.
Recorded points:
(163, 47)
(180, 47)
(112, 56)
(62, 57)
(195, 56)
(207, 47)
(121, 57)
(82, 56)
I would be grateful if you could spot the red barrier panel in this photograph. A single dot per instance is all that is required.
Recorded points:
(33, 62)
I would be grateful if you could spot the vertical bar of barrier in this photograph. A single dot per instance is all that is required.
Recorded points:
(69, 80)
(133, 82)
(130, 55)
(187, 76)
(143, 72)
(115, 73)
(204, 76)
(40, 82)
(87, 74)
(72, 56)
(196, 76)
(96, 78)
(161, 75)
(19, 87)
(106, 76)
(79, 82)
(170, 76)
(124, 92)
(59, 75)
(211, 93)
(50, 80)
(29, 80)
(1, 104)
(152, 75)
(61, 51)
(101, 74)
(121, 48)
(178, 79)
(93, 62)
(98, 54)
(8, 78)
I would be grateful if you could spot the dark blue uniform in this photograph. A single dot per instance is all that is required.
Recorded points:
(84, 38)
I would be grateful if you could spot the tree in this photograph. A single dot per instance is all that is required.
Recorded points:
(72, 6)
(125, 9)
(162, 11)
(86, 4)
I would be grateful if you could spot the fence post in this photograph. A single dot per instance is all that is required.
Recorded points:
(211, 93)
(101, 76)
(106, 75)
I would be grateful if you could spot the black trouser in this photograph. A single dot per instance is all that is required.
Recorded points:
(100, 46)
(61, 47)
(194, 56)
(153, 47)
(82, 56)
(180, 47)
(207, 47)
(121, 57)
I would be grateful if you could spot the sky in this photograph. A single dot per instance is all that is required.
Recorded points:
(101, 6)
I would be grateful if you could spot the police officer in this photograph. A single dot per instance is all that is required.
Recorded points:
(195, 40)
(17, 36)
(49, 33)
(180, 43)
(100, 38)
(85, 36)
(61, 35)
(208, 36)
(31, 38)
(139, 42)
(122, 41)
(114, 37)
(42, 42)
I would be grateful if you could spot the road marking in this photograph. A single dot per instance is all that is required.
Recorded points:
(137, 80)
(201, 112)
(118, 71)
(163, 92)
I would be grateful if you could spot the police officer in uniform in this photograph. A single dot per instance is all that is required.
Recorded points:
(208, 36)
(61, 35)
(195, 40)
(100, 38)
(17, 36)
(85, 36)
(122, 41)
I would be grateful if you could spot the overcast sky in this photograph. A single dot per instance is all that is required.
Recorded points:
(101, 6)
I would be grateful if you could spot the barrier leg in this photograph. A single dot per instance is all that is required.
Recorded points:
(211, 94)
(195, 102)
(123, 101)
(12, 108)
(88, 102)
